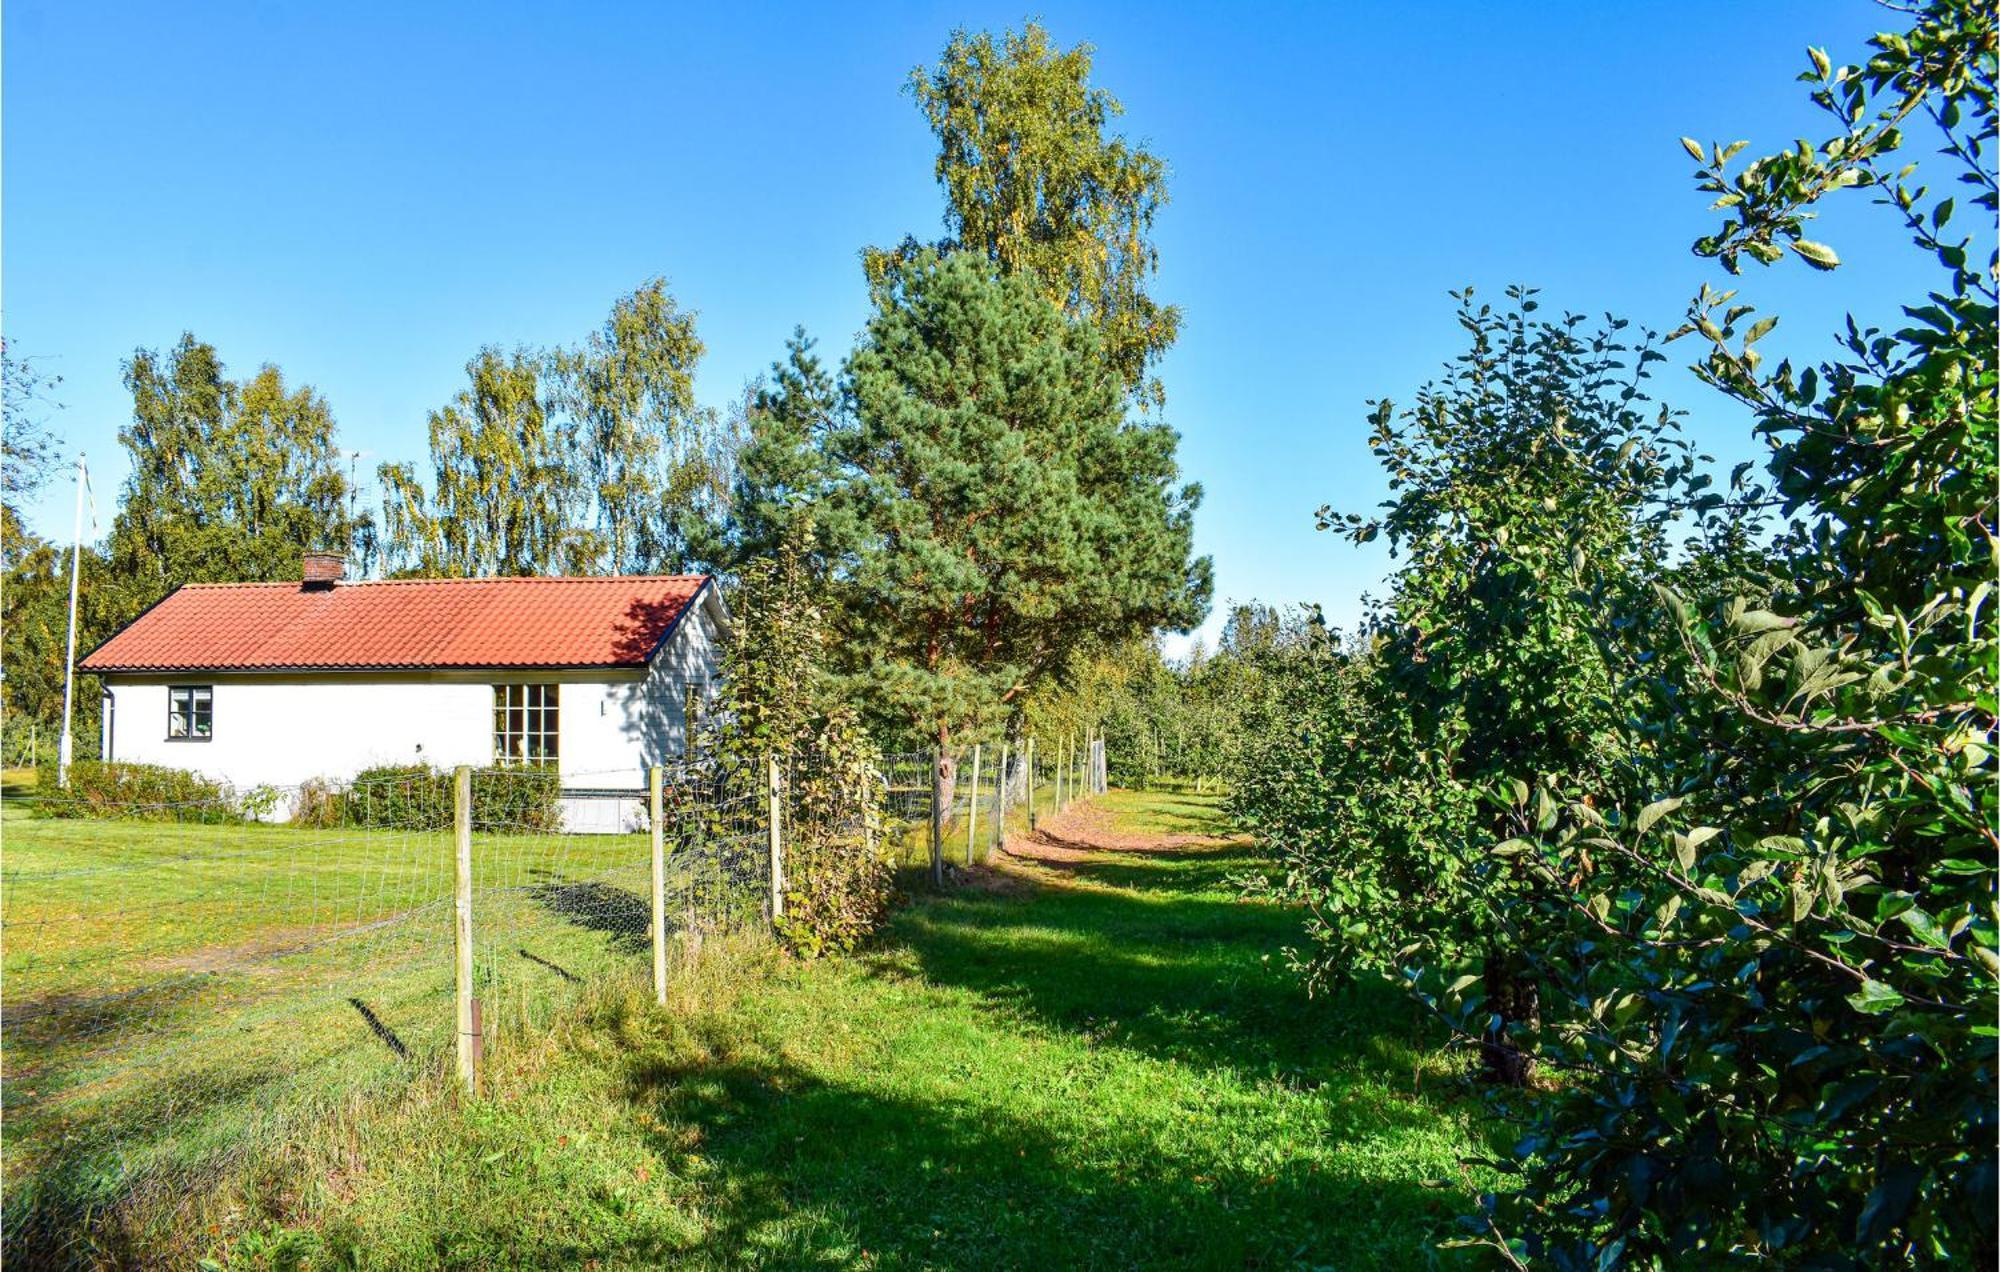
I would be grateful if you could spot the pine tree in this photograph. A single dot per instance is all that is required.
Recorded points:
(1002, 510)
(784, 471)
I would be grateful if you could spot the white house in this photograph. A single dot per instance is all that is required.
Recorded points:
(270, 684)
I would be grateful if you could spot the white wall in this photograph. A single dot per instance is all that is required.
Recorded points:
(271, 731)
(282, 730)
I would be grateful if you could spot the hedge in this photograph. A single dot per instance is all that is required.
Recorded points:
(419, 797)
(136, 792)
(387, 797)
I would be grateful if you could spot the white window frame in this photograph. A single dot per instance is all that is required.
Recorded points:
(527, 725)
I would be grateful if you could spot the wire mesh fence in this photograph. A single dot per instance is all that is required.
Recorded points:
(181, 978)
(185, 979)
(983, 793)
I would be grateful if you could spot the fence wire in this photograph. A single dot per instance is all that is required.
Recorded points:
(994, 790)
(181, 979)
(186, 979)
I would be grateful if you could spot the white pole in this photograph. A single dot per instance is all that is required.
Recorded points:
(972, 808)
(655, 810)
(469, 1025)
(773, 785)
(66, 746)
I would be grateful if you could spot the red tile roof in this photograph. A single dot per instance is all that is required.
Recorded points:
(399, 623)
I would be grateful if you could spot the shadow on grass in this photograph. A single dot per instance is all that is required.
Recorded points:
(1161, 962)
(381, 1030)
(1185, 868)
(51, 1218)
(621, 916)
(807, 1170)
(821, 1173)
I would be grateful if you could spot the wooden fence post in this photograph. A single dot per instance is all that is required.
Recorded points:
(999, 833)
(772, 782)
(655, 817)
(1031, 783)
(973, 805)
(937, 818)
(468, 1022)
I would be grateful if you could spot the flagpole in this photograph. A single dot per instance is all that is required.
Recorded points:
(66, 746)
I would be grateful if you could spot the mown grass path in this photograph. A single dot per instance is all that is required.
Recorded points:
(1089, 1056)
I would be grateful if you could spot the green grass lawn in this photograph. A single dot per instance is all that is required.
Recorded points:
(1096, 1060)
(180, 997)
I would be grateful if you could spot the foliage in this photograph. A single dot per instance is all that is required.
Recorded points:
(579, 461)
(319, 805)
(1195, 719)
(1532, 489)
(29, 451)
(230, 480)
(420, 797)
(1001, 511)
(839, 877)
(136, 792)
(1033, 185)
(784, 470)
(34, 618)
(505, 497)
(1728, 820)
(778, 704)
(1782, 968)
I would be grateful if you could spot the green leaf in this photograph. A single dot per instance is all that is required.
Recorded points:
(1817, 255)
(1925, 928)
(1684, 854)
(1874, 998)
(1654, 811)
(1693, 148)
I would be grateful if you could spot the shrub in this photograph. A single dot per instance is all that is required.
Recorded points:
(419, 797)
(400, 797)
(515, 799)
(1779, 964)
(319, 805)
(777, 702)
(136, 792)
(839, 874)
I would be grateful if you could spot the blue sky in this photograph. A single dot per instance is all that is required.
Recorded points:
(366, 194)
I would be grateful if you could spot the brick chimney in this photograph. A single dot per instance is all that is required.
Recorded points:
(322, 570)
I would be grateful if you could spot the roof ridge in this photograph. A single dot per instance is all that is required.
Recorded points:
(480, 578)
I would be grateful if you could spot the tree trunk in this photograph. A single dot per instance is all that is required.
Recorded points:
(1512, 999)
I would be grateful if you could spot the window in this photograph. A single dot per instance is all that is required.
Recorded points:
(190, 713)
(524, 724)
